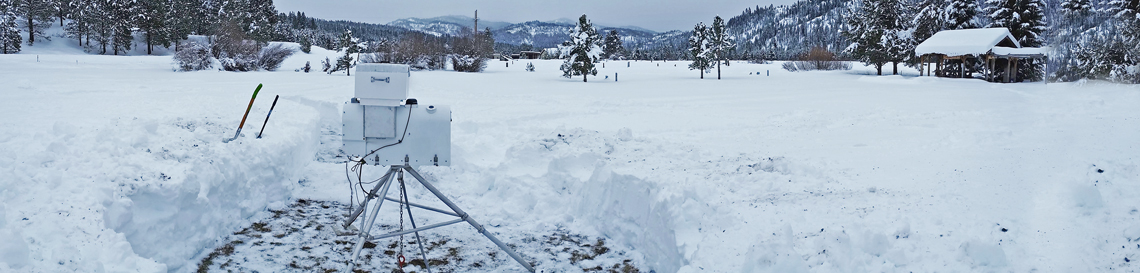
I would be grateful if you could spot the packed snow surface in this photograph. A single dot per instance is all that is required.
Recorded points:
(116, 164)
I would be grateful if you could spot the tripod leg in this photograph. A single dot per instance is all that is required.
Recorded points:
(404, 193)
(371, 194)
(364, 233)
(465, 217)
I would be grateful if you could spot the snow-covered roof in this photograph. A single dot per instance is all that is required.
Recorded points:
(976, 41)
(1025, 51)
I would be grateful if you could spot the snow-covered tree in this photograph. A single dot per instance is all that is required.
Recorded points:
(151, 20)
(79, 27)
(9, 30)
(183, 18)
(878, 34)
(262, 19)
(719, 44)
(350, 46)
(613, 47)
(1025, 19)
(698, 49)
(1127, 16)
(37, 17)
(582, 51)
(122, 13)
(929, 19)
(961, 14)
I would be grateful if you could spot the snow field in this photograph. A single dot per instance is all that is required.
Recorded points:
(794, 172)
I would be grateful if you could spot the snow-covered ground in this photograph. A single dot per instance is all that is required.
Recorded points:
(116, 164)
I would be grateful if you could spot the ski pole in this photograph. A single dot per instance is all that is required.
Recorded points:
(267, 115)
(247, 108)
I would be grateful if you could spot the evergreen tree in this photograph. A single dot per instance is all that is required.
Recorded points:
(262, 20)
(182, 19)
(877, 33)
(9, 30)
(80, 25)
(37, 15)
(720, 45)
(306, 44)
(582, 51)
(929, 19)
(698, 49)
(1126, 13)
(1025, 19)
(122, 11)
(961, 14)
(101, 23)
(152, 20)
(350, 46)
(612, 48)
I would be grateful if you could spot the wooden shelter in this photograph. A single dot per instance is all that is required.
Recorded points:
(953, 53)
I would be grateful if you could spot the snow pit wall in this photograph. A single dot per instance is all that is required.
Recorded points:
(151, 193)
(175, 224)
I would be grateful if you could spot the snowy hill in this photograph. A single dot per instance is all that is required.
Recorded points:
(429, 26)
(789, 30)
(551, 34)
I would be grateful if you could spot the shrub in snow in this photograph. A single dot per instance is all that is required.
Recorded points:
(234, 51)
(240, 63)
(272, 56)
(790, 66)
(530, 67)
(817, 59)
(193, 57)
(306, 68)
(465, 63)
(326, 65)
(306, 45)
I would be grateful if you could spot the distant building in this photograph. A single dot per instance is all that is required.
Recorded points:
(529, 55)
(550, 53)
(949, 52)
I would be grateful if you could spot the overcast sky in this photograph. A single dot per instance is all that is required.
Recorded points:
(659, 15)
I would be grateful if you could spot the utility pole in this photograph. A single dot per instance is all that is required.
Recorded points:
(476, 21)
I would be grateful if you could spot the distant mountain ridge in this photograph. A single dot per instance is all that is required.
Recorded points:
(539, 34)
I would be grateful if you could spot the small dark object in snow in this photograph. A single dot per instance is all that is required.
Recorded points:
(369, 245)
(1004, 229)
(1126, 260)
(1099, 170)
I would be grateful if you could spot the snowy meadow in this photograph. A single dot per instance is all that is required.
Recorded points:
(116, 164)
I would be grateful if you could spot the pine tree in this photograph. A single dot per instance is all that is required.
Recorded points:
(720, 45)
(79, 27)
(151, 20)
(9, 30)
(262, 20)
(306, 44)
(929, 19)
(350, 46)
(582, 51)
(122, 11)
(698, 49)
(877, 34)
(961, 14)
(1126, 13)
(1025, 19)
(37, 15)
(182, 18)
(612, 48)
